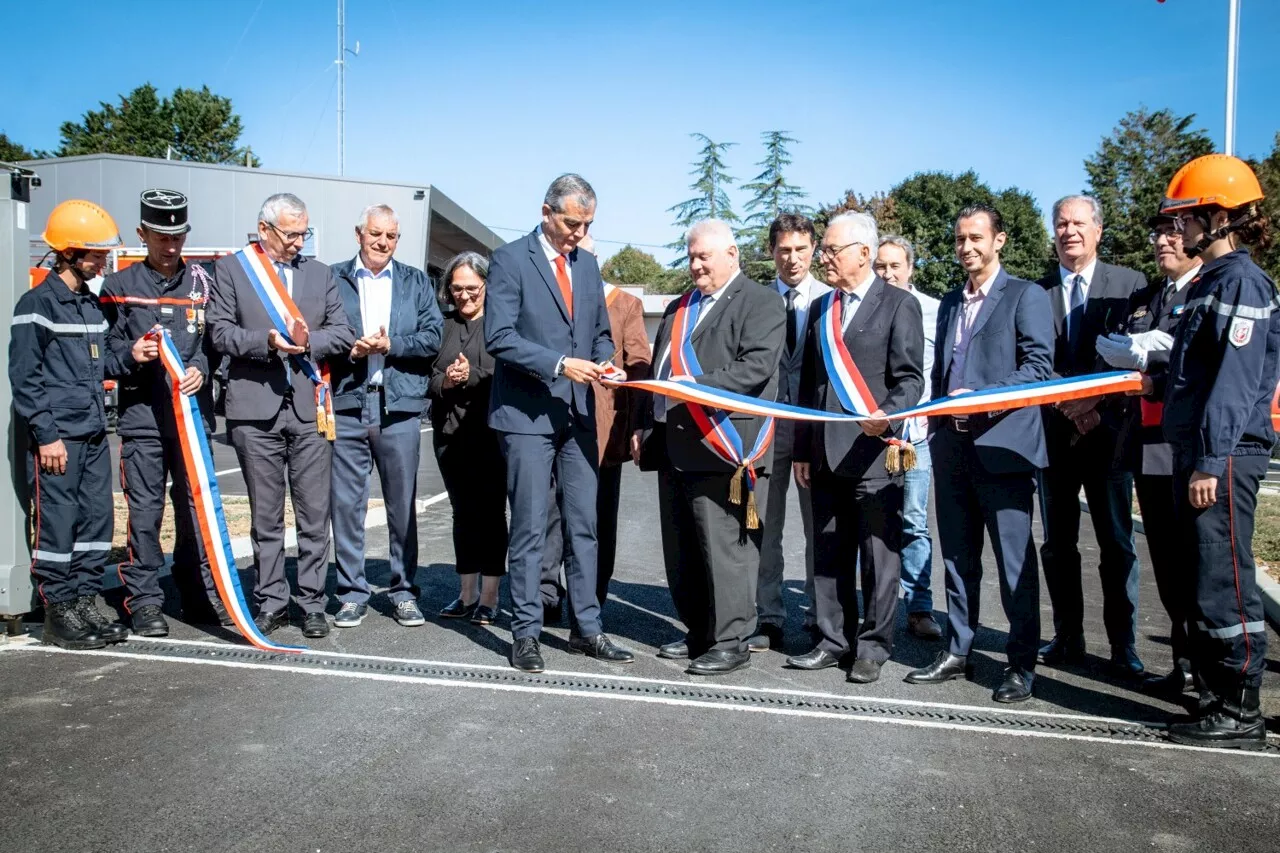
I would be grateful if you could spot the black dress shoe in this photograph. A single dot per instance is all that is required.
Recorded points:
(1063, 649)
(1016, 686)
(679, 650)
(719, 662)
(864, 671)
(924, 626)
(526, 656)
(767, 636)
(220, 613)
(149, 621)
(1174, 684)
(268, 622)
(457, 610)
(600, 647)
(816, 659)
(484, 615)
(1126, 664)
(315, 626)
(945, 667)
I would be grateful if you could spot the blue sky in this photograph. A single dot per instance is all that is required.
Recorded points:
(490, 100)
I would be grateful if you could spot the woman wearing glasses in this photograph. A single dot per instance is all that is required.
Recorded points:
(467, 450)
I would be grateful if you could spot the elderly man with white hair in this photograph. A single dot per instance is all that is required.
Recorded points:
(727, 333)
(379, 394)
(855, 471)
(274, 413)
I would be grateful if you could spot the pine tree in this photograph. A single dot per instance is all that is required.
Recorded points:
(711, 201)
(771, 196)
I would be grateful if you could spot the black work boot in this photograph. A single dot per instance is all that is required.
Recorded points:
(1235, 723)
(65, 627)
(149, 621)
(109, 629)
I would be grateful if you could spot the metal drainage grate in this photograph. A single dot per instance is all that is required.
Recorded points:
(1119, 731)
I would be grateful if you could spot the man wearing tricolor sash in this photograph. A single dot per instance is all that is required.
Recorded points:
(713, 467)
(278, 314)
(864, 356)
(994, 331)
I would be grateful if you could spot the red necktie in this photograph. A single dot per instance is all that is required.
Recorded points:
(566, 290)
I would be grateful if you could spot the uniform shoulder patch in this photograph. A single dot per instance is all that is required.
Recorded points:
(1241, 331)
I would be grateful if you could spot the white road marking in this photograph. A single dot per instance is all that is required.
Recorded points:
(653, 700)
(226, 471)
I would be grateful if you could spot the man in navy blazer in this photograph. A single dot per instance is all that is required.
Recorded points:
(993, 331)
(546, 325)
(379, 393)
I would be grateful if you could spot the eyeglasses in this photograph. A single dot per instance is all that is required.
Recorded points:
(292, 236)
(1174, 235)
(829, 252)
(470, 292)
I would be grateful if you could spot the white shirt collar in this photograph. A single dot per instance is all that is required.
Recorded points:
(547, 248)
(803, 290)
(984, 288)
(1087, 272)
(1186, 277)
(362, 270)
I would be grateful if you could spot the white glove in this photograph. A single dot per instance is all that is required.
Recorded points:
(1122, 352)
(1154, 341)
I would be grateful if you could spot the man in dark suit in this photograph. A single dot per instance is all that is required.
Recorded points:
(546, 324)
(379, 393)
(994, 331)
(857, 492)
(271, 405)
(710, 542)
(1088, 298)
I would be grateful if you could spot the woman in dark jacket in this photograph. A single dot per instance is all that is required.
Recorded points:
(467, 450)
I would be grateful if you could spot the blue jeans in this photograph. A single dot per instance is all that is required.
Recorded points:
(917, 544)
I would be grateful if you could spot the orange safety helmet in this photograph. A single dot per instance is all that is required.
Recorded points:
(80, 224)
(1218, 179)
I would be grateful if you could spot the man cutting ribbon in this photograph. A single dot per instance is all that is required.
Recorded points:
(726, 334)
(277, 313)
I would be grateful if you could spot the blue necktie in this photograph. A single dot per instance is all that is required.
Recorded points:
(1075, 315)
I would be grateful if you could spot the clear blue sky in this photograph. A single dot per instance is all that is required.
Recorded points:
(490, 100)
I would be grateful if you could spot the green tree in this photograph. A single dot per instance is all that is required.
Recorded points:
(194, 125)
(1268, 170)
(1129, 174)
(711, 200)
(11, 151)
(771, 195)
(636, 267)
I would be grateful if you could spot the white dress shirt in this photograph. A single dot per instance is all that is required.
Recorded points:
(1067, 275)
(918, 428)
(375, 310)
(551, 253)
(803, 299)
(704, 308)
(1184, 280)
(859, 291)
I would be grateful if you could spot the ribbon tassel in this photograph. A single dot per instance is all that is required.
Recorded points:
(735, 485)
(753, 517)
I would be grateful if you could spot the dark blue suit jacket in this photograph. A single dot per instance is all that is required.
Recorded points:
(1012, 344)
(527, 330)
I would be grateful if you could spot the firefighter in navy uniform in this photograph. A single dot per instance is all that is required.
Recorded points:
(1217, 415)
(1145, 346)
(57, 360)
(162, 290)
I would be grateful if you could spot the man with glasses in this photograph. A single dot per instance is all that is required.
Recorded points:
(1145, 346)
(273, 408)
(380, 391)
(547, 327)
(1089, 298)
(855, 470)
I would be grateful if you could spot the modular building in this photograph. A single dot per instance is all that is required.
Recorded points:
(225, 201)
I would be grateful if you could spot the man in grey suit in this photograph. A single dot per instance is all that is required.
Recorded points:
(546, 325)
(709, 544)
(1089, 299)
(791, 241)
(994, 331)
(857, 490)
(271, 405)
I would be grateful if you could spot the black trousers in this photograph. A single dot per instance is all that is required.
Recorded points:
(1228, 625)
(1173, 567)
(608, 494)
(857, 525)
(146, 463)
(72, 518)
(475, 476)
(712, 558)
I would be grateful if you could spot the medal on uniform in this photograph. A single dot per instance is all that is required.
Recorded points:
(191, 321)
(200, 320)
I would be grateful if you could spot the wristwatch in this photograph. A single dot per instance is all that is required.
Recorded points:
(560, 366)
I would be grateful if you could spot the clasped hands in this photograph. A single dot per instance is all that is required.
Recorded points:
(147, 348)
(378, 342)
(299, 333)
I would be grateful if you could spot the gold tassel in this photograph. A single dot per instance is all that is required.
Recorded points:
(331, 426)
(735, 486)
(908, 456)
(753, 517)
(322, 426)
(892, 461)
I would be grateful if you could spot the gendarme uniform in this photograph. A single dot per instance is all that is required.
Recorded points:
(134, 301)
(57, 361)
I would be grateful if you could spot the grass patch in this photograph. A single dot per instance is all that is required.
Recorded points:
(1266, 534)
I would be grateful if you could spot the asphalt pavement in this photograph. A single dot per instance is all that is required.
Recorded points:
(383, 737)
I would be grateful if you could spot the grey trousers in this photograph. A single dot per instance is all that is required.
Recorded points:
(769, 605)
(390, 442)
(265, 450)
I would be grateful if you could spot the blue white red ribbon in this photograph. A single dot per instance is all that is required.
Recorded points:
(283, 312)
(210, 520)
(843, 375)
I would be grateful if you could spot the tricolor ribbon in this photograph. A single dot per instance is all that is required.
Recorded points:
(206, 498)
(718, 432)
(846, 380)
(282, 311)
